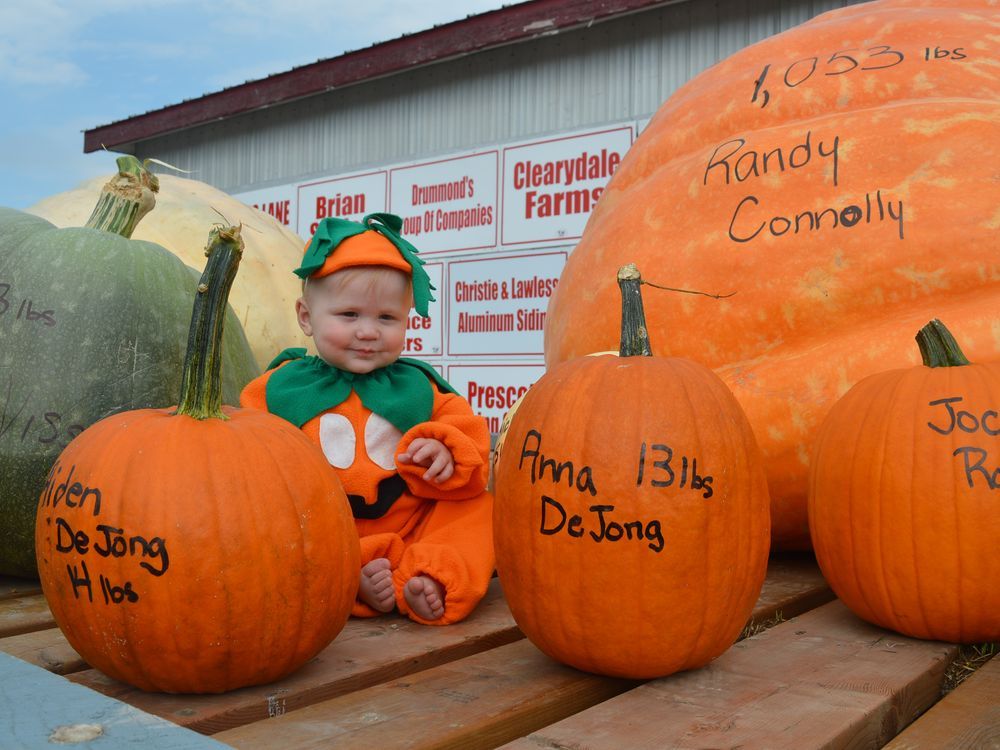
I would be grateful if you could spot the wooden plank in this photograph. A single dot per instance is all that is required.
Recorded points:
(794, 584)
(11, 587)
(365, 653)
(44, 710)
(47, 649)
(24, 614)
(968, 717)
(478, 702)
(822, 680)
(488, 698)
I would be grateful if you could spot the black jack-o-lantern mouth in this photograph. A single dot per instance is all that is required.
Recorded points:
(389, 491)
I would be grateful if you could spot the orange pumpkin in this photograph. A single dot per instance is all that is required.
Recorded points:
(201, 548)
(631, 511)
(841, 177)
(903, 496)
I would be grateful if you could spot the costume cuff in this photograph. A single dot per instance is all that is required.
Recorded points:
(471, 471)
(442, 563)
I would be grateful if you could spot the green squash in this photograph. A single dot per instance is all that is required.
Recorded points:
(91, 323)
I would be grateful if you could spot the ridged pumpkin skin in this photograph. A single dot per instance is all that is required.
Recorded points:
(621, 607)
(261, 562)
(264, 298)
(120, 310)
(814, 311)
(899, 533)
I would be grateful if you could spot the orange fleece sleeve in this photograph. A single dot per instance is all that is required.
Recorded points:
(467, 438)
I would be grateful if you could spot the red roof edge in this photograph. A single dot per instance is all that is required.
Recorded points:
(514, 23)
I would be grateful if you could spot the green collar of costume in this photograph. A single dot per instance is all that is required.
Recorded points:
(307, 386)
(332, 231)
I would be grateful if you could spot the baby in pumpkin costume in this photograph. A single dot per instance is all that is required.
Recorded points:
(411, 454)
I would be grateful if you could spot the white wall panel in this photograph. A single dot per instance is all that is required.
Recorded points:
(610, 72)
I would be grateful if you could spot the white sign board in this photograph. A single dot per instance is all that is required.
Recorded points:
(492, 389)
(280, 202)
(551, 186)
(349, 197)
(497, 305)
(448, 205)
(424, 336)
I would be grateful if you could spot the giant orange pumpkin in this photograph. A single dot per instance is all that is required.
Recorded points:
(841, 177)
(903, 496)
(631, 511)
(200, 548)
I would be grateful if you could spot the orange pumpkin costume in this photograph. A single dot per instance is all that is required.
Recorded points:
(441, 530)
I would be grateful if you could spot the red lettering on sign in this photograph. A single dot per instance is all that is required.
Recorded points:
(494, 396)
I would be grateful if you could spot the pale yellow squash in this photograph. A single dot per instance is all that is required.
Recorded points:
(264, 294)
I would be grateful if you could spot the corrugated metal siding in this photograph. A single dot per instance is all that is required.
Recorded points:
(614, 71)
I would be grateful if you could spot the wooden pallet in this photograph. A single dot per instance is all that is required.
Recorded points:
(819, 678)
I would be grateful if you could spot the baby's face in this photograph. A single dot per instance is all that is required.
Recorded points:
(357, 317)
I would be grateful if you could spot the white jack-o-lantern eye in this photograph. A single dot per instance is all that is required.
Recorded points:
(336, 438)
(381, 441)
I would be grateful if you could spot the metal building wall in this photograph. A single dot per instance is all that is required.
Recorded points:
(614, 71)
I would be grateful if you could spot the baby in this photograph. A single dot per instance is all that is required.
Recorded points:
(409, 451)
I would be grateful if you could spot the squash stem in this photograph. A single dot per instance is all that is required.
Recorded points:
(938, 347)
(125, 198)
(201, 383)
(634, 336)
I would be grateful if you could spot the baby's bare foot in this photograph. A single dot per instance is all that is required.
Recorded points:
(376, 585)
(425, 597)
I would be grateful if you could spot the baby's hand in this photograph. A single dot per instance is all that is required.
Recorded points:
(434, 455)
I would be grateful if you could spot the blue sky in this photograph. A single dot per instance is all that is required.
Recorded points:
(68, 66)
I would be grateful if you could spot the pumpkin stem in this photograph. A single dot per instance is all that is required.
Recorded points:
(635, 336)
(938, 347)
(201, 383)
(125, 198)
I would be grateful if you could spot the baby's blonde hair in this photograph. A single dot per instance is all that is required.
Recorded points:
(371, 276)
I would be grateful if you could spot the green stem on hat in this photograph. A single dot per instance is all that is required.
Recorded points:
(634, 336)
(938, 347)
(201, 384)
(125, 198)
